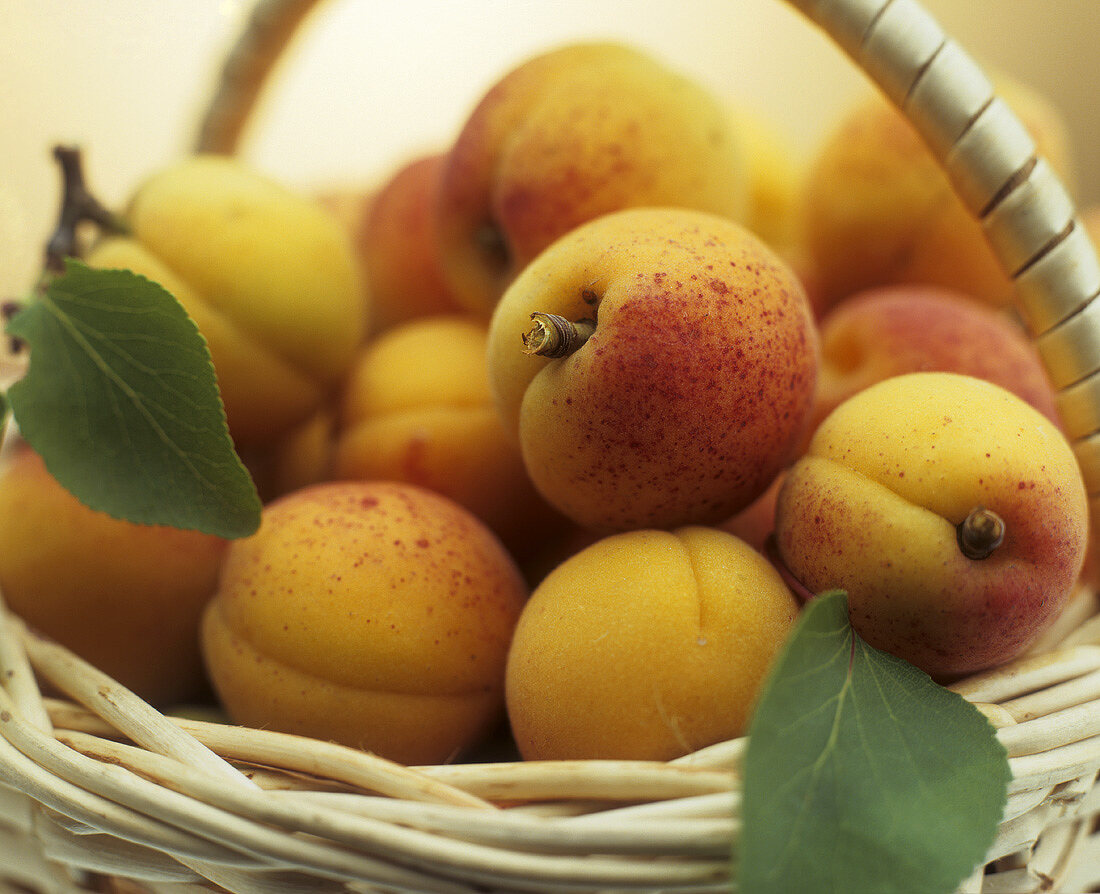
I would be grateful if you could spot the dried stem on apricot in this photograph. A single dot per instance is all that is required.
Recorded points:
(552, 335)
(980, 533)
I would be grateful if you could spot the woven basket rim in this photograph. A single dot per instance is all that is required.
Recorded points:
(200, 799)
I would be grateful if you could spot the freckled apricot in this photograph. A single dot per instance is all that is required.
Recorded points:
(416, 407)
(567, 136)
(692, 391)
(374, 614)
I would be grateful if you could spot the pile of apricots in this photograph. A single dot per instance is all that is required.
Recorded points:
(559, 426)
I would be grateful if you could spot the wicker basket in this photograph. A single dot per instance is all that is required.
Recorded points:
(100, 792)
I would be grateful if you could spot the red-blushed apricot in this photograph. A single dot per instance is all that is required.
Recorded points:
(695, 382)
(375, 614)
(567, 136)
(125, 597)
(952, 512)
(890, 330)
(645, 645)
(399, 248)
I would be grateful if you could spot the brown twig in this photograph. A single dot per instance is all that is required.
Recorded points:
(78, 206)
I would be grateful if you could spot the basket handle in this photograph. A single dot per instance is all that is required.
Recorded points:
(1028, 217)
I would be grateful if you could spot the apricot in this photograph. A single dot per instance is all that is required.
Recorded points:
(123, 596)
(269, 277)
(399, 247)
(877, 207)
(376, 614)
(952, 512)
(646, 645)
(890, 330)
(693, 386)
(416, 407)
(775, 178)
(571, 134)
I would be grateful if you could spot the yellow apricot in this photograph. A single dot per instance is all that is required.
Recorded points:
(775, 178)
(269, 277)
(879, 507)
(645, 645)
(417, 408)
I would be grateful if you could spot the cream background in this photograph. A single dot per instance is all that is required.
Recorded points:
(370, 82)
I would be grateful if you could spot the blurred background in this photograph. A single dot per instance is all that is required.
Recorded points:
(368, 83)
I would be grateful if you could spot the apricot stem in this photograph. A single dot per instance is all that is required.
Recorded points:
(552, 335)
(980, 533)
(492, 245)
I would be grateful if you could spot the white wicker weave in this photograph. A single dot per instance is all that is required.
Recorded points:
(99, 792)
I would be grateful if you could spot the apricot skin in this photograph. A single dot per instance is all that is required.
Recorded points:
(374, 614)
(398, 247)
(873, 508)
(125, 597)
(645, 645)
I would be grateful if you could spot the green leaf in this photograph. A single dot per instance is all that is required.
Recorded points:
(862, 774)
(121, 402)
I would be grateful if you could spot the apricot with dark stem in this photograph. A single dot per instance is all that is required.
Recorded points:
(952, 512)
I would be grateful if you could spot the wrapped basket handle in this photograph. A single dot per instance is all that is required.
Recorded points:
(991, 160)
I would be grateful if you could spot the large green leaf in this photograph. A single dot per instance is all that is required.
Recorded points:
(121, 402)
(862, 775)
